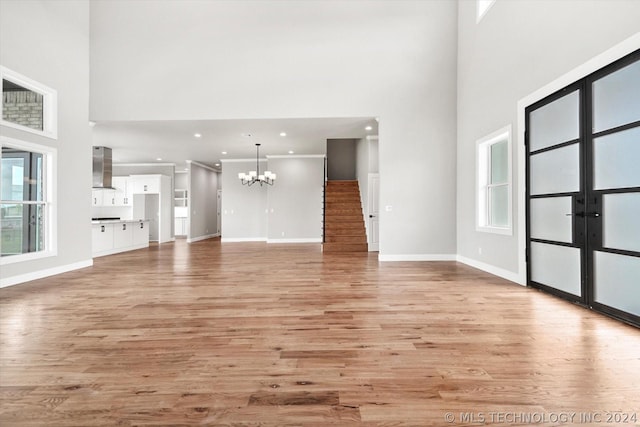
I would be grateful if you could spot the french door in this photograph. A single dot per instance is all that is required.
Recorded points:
(583, 191)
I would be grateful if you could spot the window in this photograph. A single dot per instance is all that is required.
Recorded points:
(494, 182)
(28, 105)
(482, 6)
(27, 227)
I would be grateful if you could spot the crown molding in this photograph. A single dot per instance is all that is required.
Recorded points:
(298, 156)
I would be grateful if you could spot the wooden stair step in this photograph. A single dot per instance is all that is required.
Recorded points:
(344, 222)
(346, 239)
(344, 247)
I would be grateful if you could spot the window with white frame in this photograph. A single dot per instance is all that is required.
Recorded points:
(482, 7)
(27, 215)
(28, 105)
(494, 182)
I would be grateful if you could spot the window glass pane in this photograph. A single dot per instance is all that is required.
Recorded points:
(22, 175)
(22, 228)
(21, 105)
(615, 98)
(616, 158)
(549, 219)
(499, 162)
(556, 266)
(556, 122)
(616, 281)
(555, 171)
(620, 225)
(499, 206)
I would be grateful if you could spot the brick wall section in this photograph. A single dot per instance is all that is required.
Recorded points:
(23, 108)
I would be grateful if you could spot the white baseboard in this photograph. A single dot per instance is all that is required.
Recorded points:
(205, 237)
(496, 271)
(309, 240)
(243, 239)
(417, 257)
(34, 275)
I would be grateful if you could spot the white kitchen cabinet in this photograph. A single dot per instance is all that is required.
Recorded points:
(102, 238)
(119, 236)
(123, 235)
(123, 190)
(146, 184)
(140, 233)
(103, 197)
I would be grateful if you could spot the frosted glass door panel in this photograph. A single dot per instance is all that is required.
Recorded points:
(615, 98)
(556, 266)
(555, 123)
(555, 171)
(616, 160)
(549, 220)
(621, 222)
(617, 281)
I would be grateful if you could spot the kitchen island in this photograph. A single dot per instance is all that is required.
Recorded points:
(115, 236)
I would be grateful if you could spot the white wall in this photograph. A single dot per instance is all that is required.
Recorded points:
(401, 58)
(244, 208)
(203, 201)
(49, 42)
(295, 200)
(517, 48)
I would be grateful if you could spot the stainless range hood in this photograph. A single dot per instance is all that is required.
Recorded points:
(102, 165)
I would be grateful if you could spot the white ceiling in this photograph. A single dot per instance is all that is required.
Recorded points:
(174, 141)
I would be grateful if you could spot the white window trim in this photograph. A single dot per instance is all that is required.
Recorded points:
(50, 198)
(482, 159)
(49, 104)
(481, 11)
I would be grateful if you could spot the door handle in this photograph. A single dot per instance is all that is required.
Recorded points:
(593, 214)
(578, 214)
(372, 216)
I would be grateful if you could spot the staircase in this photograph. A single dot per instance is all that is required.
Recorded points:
(344, 225)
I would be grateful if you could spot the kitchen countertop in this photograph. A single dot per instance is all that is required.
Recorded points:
(118, 221)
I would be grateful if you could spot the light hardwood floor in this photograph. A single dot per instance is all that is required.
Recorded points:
(283, 335)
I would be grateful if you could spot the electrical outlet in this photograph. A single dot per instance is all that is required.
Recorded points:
(479, 251)
(283, 234)
(388, 208)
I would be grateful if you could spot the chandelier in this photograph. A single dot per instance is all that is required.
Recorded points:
(254, 176)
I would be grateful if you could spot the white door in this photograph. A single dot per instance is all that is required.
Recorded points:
(373, 225)
(219, 207)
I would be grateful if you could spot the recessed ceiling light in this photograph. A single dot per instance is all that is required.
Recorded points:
(197, 135)
(291, 151)
(283, 134)
(217, 164)
(224, 152)
(158, 159)
(368, 128)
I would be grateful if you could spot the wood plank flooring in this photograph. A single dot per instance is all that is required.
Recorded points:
(250, 334)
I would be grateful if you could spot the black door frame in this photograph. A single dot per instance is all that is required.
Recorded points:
(587, 202)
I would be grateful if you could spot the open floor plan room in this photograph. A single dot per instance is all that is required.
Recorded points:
(280, 335)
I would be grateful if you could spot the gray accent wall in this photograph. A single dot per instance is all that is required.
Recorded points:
(516, 49)
(409, 83)
(203, 188)
(295, 200)
(341, 159)
(244, 209)
(49, 43)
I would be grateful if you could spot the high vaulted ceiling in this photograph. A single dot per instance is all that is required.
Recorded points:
(174, 141)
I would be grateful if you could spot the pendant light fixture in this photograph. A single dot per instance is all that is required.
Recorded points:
(254, 176)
